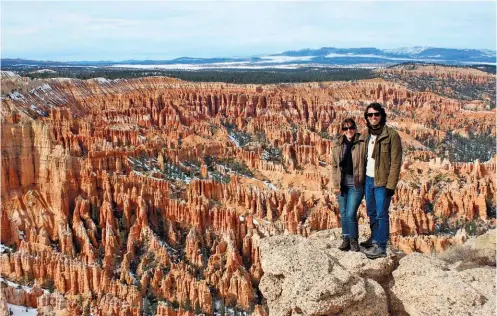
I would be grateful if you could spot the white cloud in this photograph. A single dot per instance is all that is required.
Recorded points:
(163, 30)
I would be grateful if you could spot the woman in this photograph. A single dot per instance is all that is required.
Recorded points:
(348, 181)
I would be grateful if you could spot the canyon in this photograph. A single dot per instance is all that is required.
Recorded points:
(156, 195)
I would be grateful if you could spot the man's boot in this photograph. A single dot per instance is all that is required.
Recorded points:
(368, 243)
(375, 252)
(345, 246)
(354, 246)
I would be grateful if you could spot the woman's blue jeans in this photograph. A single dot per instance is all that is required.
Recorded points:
(377, 204)
(349, 200)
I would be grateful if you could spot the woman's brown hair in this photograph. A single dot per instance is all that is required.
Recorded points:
(348, 121)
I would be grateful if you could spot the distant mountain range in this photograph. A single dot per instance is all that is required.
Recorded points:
(322, 57)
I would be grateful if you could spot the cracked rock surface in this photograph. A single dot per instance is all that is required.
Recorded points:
(310, 276)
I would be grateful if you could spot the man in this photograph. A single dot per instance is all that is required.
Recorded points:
(383, 161)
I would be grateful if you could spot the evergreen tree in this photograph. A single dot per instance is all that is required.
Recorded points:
(197, 308)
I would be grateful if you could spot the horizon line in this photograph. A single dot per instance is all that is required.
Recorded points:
(249, 56)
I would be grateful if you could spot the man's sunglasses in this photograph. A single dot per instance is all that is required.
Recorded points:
(349, 128)
(377, 114)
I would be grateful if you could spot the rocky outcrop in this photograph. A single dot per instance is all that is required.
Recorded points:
(476, 251)
(21, 295)
(310, 276)
(426, 285)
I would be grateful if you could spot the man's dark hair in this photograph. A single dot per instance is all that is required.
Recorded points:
(348, 121)
(378, 107)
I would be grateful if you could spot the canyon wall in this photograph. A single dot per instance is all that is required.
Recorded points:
(130, 195)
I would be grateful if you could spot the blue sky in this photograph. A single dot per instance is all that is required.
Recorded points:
(164, 30)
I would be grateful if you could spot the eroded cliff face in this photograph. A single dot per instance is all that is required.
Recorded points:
(467, 83)
(127, 196)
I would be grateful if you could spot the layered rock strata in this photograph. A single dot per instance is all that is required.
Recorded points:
(154, 193)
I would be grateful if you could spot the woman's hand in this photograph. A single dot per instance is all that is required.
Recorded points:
(336, 191)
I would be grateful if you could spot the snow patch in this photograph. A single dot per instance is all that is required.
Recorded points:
(102, 80)
(271, 186)
(37, 110)
(285, 59)
(350, 55)
(43, 88)
(9, 74)
(16, 96)
(171, 66)
(265, 155)
(133, 276)
(4, 248)
(227, 65)
(18, 310)
(407, 50)
(234, 140)
(480, 63)
(27, 289)
(41, 71)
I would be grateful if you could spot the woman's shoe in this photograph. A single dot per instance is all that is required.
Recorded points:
(345, 246)
(354, 246)
(367, 243)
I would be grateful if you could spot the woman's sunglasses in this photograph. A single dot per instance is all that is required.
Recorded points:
(349, 128)
(377, 114)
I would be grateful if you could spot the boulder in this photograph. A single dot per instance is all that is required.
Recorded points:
(424, 285)
(309, 276)
(473, 253)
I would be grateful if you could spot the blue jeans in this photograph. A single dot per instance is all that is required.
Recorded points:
(377, 204)
(348, 201)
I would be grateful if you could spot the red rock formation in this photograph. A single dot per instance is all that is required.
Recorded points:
(119, 191)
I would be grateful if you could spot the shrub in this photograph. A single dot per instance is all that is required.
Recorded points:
(465, 254)
(237, 166)
(49, 285)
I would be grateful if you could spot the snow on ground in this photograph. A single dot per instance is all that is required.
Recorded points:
(27, 289)
(285, 59)
(18, 310)
(262, 66)
(102, 80)
(41, 71)
(171, 66)
(270, 185)
(9, 74)
(4, 248)
(407, 50)
(16, 285)
(480, 63)
(350, 55)
(333, 55)
(37, 110)
(234, 140)
(44, 88)
(227, 65)
(16, 96)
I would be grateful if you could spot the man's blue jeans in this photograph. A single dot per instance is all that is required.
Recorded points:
(377, 204)
(348, 201)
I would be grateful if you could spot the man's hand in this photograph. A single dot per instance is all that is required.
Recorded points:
(390, 192)
(336, 191)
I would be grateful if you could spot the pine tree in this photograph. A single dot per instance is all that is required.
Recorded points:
(197, 308)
